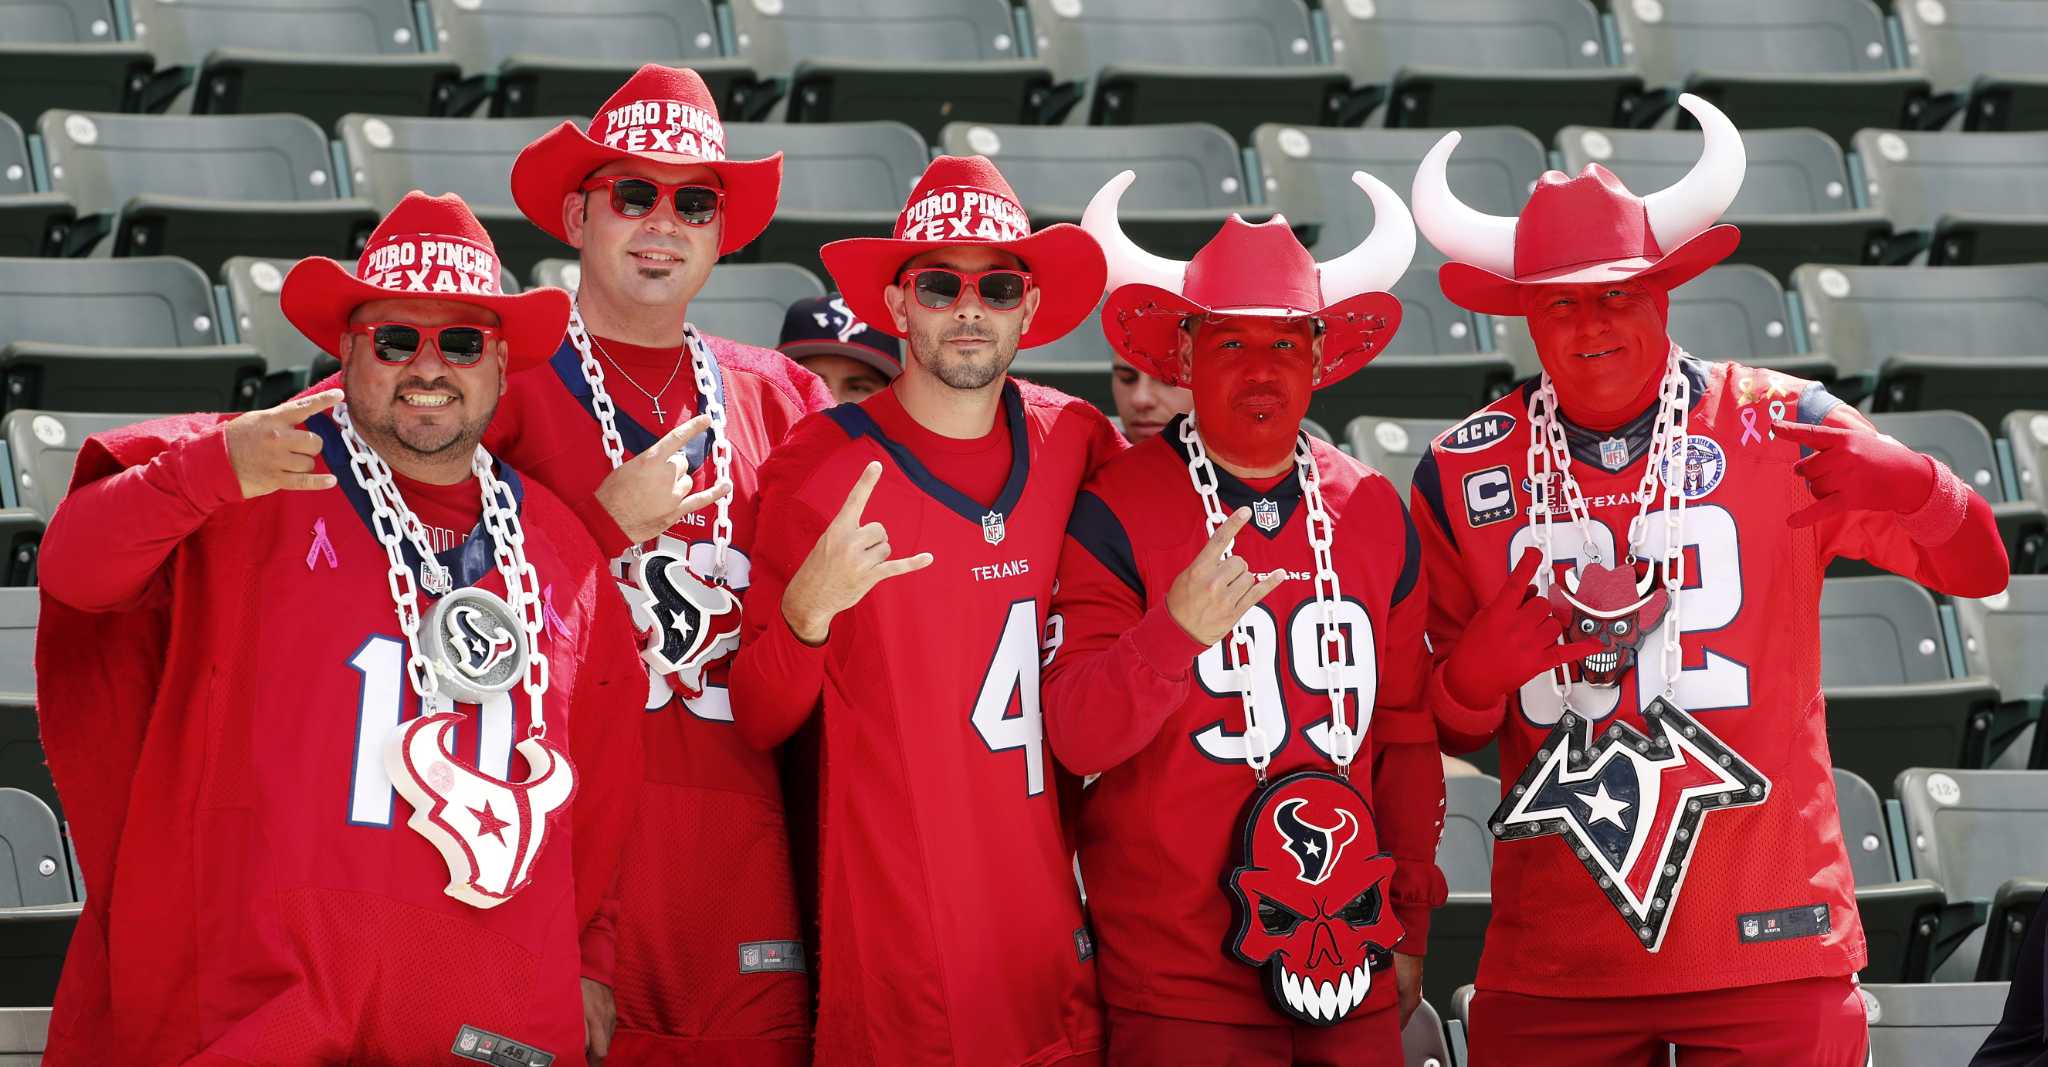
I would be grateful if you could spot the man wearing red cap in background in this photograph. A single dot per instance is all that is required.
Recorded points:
(1675, 516)
(709, 964)
(262, 688)
(904, 582)
(1326, 820)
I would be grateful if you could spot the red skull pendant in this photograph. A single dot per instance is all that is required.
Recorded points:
(1313, 896)
(1613, 604)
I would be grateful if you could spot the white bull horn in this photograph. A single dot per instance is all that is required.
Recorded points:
(1382, 257)
(1685, 209)
(1128, 264)
(1460, 233)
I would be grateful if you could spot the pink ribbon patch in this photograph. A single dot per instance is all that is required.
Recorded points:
(322, 547)
(1749, 426)
(547, 609)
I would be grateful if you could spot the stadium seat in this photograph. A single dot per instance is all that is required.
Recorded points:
(745, 302)
(1965, 197)
(1892, 701)
(1236, 63)
(34, 865)
(921, 62)
(317, 58)
(1456, 932)
(1944, 1023)
(21, 747)
(204, 187)
(1970, 338)
(117, 335)
(1962, 442)
(559, 273)
(1973, 831)
(1190, 176)
(1429, 321)
(390, 156)
(1901, 918)
(2026, 439)
(23, 1033)
(1077, 364)
(32, 944)
(2012, 910)
(1393, 446)
(845, 179)
(1768, 63)
(253, 286)
(2003, 637)
(1422, 1040)
(1465, 851)
(1986, 52)
(1796, 204)
(44, 446)
(1537, 64)
(541, 57)
(31, 223)
(67, 53)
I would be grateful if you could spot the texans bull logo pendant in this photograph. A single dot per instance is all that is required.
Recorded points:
(691, 623)
(489, 831)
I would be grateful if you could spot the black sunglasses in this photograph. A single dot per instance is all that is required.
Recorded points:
(635, 198)
(939, 288)
(397, 343)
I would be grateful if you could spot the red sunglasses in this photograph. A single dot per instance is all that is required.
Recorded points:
(635, 198)
(398, 343)
(939, 288)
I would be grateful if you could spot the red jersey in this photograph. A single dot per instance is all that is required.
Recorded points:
(708, 947)
(218, 681)
(1765, 893)
(950, 923)
(1131, 696)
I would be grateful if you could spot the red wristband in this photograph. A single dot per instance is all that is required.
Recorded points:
(1942, 515)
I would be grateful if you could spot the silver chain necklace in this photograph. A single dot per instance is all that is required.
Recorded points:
(1237, 648)
(654, 398)
(1550, 460)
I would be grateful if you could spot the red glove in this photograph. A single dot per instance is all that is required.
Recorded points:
(1511, 640)
(1856, 470)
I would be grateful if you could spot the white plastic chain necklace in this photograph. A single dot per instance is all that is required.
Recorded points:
(1237, 648)
(390, 515)
(714, 406)
(1550, 459)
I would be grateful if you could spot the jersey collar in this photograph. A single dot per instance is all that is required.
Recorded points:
(568, 366)
(1593, 446)
(858, 423)
(1285, 495)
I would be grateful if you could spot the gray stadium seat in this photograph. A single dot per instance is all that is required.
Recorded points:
(31, 223)
(34, 866)
(1986, 50)
(1537, 64)
(1768, 63)
(1796, 204)
(923, 62)
(559, 273)
(1422, 1041)
(1863, 830)
(746, 301)
(253, 285)
(2026, 437)
(1465, 852)
(543, 57)
(2012, 910)
(23, 1033)
(44, 446)
(1429, 321)
(204, 186)
(18, 611)
(21, 747)
(32, 944)
(1968, 197)
(838, 180)
(1940, 1024)
(67, 53)
(1190, 176)
(1962, 442)
(1236, 63)
(1973, 831)
(1892, 701)
(2003, 638)
(117, 335)
(1901, 918)
(1974, 339)
(1077, 364)
(317, 58)
(390, 156)
(1393, 446)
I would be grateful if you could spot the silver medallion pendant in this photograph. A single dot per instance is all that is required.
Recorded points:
(476, 644)
(695, 623)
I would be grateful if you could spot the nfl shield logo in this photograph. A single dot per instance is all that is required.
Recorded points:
(1266, 513)
(468, 1042)
(1749, 928)
(992, 527)
(750, 956)
(1614, 453)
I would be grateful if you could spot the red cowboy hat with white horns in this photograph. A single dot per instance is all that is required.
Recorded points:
(428, 248)
(1584, 229)
(1259, 270)
(661, 115)
(963, 201)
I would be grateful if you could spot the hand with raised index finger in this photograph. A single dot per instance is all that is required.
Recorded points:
(651, 492)
(850, 558)
(1856, 470)
(1511, 639)
(1214, 591)
(270, 450)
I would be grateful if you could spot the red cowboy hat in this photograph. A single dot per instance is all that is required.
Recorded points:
(1584, 229)
(964, 201)
(1257, 270)
(428, 248)
(661, 115)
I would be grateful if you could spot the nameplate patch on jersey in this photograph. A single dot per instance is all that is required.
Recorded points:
(1489, 496)
(762, 957)
(1477, 432)
(1809, 920)
(472, 1043)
